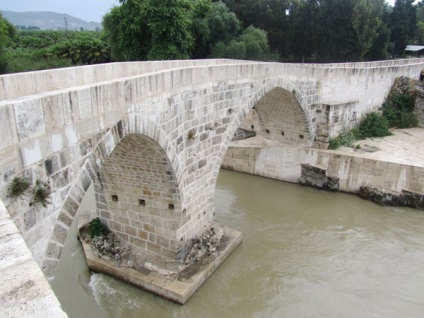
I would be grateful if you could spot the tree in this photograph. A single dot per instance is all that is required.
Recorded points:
(420, 32)
(348, 28)
(380, 47)
(7, 32)
(83, 48)
(403, 25)
(303, 20)
(251, 45)
(213, 22)
(268, 15)
(169, 23)
(150, 29)
(127, 32)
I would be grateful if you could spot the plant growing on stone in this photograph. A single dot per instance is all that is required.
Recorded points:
(191, 134)
(18, 187)
(40, 193)
(96, 228)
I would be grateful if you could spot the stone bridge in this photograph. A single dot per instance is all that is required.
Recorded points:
(152, 136)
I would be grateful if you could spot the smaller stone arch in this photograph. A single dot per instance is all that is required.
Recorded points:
(303, 110)
(279, 117)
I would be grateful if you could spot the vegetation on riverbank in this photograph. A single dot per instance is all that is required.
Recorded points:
(397, 112)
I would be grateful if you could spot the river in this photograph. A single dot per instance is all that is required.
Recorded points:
(305, 253)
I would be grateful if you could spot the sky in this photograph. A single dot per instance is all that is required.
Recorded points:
(88, 10)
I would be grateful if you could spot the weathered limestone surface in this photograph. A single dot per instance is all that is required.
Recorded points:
(24, 291)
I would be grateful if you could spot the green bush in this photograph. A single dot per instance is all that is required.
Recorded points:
(398, 110)
(96, 228)
(345, 139)
(373, 125)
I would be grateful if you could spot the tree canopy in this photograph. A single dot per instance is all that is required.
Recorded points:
(282, 30)
(7, 33)
(177, 29)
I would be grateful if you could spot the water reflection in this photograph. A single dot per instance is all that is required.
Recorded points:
(305, 253)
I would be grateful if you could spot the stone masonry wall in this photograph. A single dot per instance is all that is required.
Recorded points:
(63, 134)
(140, 198)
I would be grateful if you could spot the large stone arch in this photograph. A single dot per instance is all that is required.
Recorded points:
(101, 147)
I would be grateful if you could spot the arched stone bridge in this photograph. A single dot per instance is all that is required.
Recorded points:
(151, 136)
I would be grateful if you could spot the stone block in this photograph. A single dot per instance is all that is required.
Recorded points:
(9, 132)
(54, 250)
(59, 233)
(29, 118)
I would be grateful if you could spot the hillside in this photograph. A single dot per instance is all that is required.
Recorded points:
(48, 20)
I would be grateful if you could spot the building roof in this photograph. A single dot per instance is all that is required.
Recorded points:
(414, 48)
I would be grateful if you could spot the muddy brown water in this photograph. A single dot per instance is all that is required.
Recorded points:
(305, 253)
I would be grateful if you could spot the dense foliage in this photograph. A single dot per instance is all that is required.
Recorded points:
(284, 30)
(373, 125)
(7, 33)
(180, 29)
(398, 112)
(37, 50)
(334, 30)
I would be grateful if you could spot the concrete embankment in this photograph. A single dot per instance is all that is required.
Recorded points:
(387, 170)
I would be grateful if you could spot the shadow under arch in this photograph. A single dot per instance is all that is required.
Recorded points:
(278, 117)
(138, 196)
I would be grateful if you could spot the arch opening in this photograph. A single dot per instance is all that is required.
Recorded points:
(138, 196)
(278, 117)
(271, 135)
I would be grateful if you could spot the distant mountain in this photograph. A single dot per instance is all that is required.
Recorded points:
(49, 20)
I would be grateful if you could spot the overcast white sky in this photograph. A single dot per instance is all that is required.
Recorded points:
(88, 10)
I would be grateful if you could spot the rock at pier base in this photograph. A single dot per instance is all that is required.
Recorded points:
(178, 287)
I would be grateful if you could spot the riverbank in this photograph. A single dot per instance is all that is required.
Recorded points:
(405, 146)
(387, 168)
